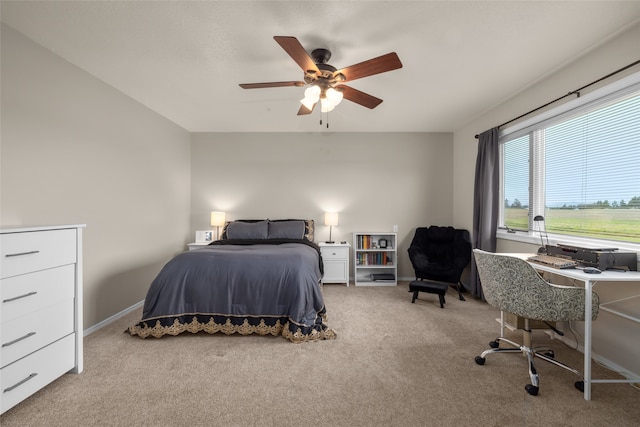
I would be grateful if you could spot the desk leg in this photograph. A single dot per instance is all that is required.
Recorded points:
(588, 287)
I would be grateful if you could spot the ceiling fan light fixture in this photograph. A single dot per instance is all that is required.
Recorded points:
(334, 96)
(308, 103)
(326, 105)
(331, 98)
(311, 97)
(312, 92)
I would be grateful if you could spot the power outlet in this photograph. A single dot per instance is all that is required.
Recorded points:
(395, 228)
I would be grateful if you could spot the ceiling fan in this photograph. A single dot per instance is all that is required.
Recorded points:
(325, 83)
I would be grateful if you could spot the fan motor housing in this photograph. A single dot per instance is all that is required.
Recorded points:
(321, 56)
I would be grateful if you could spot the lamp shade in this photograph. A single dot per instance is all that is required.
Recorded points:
(308, 103)
(326, 106)
(217, 219)
(311, 96)
(334, 96)
(330, 99)
(331, 218)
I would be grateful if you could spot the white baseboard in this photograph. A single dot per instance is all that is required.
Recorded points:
(112, 319)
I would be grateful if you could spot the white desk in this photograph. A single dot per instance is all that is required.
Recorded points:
(590, 280)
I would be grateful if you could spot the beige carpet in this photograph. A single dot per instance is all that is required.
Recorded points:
(393, 364)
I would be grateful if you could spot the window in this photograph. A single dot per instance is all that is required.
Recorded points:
(579, 168)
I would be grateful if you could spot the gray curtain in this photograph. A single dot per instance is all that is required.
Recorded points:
(485, 201)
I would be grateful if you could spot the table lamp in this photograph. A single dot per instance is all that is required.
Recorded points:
(330, 219)
(542, 231)
(217, 220)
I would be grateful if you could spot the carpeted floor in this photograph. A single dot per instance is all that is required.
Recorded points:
(393, 364)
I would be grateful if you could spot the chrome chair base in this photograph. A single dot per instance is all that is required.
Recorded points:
(543, 353)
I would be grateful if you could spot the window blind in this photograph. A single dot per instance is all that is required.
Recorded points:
(580, 169)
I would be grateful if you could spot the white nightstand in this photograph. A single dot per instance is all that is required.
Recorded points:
(335, 257)
(197, 245)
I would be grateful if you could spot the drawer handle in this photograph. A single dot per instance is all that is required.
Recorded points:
(22, 253)
(20, 383)
(20, 296)
(7, 344)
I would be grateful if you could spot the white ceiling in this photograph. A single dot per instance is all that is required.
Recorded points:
(185, 59)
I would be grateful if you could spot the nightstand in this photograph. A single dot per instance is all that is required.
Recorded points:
(197, 245)
(335, 258)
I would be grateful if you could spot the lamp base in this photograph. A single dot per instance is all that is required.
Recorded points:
(330, 241)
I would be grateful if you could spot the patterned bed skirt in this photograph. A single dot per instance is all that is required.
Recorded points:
(243, 325)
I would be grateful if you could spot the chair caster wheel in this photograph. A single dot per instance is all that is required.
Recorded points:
(580, 386)
(494, 344)
(531, 389)
(480, 360)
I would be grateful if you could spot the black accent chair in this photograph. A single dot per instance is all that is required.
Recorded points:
(440, 254)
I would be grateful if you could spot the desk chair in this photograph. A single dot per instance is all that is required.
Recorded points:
(510, 284)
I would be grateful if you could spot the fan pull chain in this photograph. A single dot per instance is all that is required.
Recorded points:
(327, 119)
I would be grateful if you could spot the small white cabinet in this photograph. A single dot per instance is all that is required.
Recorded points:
(335, 259)
(40, 308)
(375, 259)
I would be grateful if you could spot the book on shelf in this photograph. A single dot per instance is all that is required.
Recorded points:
(378, 258)
(366, 242)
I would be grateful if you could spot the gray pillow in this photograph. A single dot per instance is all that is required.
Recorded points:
(248, 230)
(286, 230)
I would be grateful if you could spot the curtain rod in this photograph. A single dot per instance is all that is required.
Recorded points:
(573, 92)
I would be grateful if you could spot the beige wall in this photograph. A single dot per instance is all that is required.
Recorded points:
(614, 338)
(75, 150)
(374, 180)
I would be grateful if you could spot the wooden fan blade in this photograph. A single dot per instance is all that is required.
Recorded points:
(270, 84)
(292, 46)
(304, 110)
(378, 65)
(364, 99)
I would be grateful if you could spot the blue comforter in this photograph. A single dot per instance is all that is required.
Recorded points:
(245, 287)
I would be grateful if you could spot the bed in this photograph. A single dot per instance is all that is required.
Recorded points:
(262, 277)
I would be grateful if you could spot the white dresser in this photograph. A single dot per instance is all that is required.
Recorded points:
(40, 308)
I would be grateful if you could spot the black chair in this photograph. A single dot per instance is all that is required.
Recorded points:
(439, 254)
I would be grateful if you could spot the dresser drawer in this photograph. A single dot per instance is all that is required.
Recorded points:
(28, 293)
(329, 253)
(26, 376)
(36, 250)
(29, 333)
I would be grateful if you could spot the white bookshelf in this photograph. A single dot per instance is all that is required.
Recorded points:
(375, 258)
